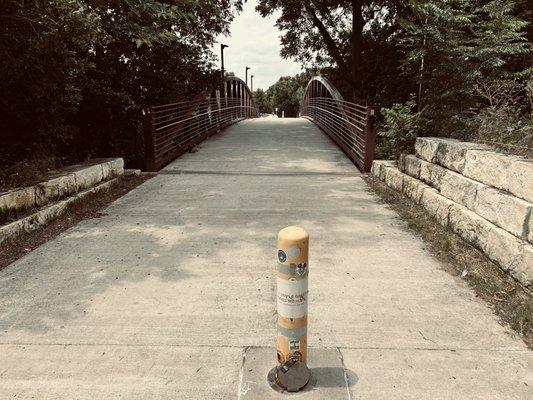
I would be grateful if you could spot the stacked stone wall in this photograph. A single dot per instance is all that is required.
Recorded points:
(37, 205)
(484, 196)
(61, 184)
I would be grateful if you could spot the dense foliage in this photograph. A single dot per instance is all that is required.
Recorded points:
(461, 66)
(287, 93)
(262, 102)
(76, 74)
(456, 48)
(352, 41)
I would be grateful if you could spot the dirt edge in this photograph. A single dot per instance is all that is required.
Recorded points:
(86, 208)
(508, 299)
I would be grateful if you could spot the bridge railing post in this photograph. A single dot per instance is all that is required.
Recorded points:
(370, 138)
(149, 141)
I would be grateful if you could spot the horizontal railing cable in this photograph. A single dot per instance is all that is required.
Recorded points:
(350, 125)
(173, 129)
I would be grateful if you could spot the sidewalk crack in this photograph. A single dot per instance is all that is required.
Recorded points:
(345, 373)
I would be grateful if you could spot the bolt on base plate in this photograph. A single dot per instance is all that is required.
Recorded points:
(294, 378)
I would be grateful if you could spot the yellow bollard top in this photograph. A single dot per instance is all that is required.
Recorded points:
(293, 246)
(293, 234)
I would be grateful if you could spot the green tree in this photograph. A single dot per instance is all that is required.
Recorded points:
(283, 97)
(402, 126)
(353, 40)
(287, 93)
(452, 45)
(76, 74)
(43, 58)
(155, 52)
(262, 101)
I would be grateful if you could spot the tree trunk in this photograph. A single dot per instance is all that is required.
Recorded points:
(331, 45)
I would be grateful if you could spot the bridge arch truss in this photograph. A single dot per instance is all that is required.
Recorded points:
(351, 126)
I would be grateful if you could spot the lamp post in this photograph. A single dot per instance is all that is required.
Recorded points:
(247, 68)
(252, 83)
(222, 47)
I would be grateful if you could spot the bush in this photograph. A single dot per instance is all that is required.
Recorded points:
(402, 126)
(506, 117)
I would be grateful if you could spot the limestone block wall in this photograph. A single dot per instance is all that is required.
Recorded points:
(25, 209)
(484, 196)
(61, 183)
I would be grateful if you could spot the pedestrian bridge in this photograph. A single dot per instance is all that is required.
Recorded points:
(173, 129)
(171, 293)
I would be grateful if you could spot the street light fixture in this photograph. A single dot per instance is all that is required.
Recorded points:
(252, 83)
(222, 47)
(247, 68)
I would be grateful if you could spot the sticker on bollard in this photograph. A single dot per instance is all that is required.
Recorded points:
(292, 373)
(292, 297)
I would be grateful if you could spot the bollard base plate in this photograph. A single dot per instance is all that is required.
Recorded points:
(328, 379)
(297, 378)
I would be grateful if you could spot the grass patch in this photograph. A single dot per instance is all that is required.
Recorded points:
(507, 298)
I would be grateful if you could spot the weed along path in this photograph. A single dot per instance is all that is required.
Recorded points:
(171, 294)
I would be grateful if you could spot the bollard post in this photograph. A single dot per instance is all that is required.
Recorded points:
(291, 373)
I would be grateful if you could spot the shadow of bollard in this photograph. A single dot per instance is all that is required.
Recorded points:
(332, 377)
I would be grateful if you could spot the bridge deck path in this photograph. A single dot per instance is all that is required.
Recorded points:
(171, 294)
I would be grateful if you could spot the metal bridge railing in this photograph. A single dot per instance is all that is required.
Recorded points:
(173, 129)
(351, 126)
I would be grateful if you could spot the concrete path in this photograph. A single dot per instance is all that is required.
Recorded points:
(170, 295)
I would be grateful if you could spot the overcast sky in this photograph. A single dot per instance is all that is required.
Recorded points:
(254, 42)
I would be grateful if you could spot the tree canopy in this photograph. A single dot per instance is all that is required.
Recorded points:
(262, 101)
(76, 74)
(285, 95)
(355, 38)
(439, 58)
